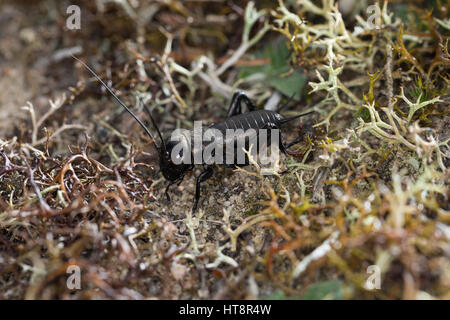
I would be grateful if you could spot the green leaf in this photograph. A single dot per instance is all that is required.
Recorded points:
(294, 83)
(277, 73)
(324, 290)
(279, 56)
(277, 295)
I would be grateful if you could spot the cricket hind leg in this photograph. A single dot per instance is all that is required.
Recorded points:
(306, 129)
(236, 104)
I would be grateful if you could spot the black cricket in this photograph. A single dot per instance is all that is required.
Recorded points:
(253, 119)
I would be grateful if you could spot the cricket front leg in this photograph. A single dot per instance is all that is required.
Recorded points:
(205, 175)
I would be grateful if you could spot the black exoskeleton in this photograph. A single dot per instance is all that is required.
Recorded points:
(236, 119)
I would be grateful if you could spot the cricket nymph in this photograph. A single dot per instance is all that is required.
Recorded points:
(221, 143)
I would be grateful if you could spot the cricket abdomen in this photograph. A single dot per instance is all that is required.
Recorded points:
(259, 119)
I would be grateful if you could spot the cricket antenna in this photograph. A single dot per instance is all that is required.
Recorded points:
(147, 110)
(282, 121)
(122, 104)
(286, 103)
